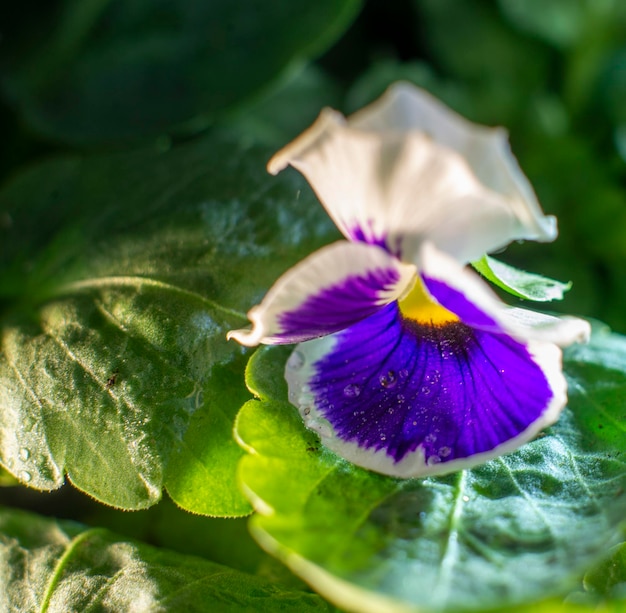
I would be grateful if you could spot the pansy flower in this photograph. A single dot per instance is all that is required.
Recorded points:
(407, 363)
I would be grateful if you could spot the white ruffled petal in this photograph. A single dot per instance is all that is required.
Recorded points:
(328, 291)
(404, 108)
(406, 169)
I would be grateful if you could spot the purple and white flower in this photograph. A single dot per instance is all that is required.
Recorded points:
(408, 364)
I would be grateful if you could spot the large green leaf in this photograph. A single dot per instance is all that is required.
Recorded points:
(517, 529)
(120, 276)
(97, 71)
(48, 565)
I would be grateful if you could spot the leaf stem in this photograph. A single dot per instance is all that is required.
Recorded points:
(450, 554)
(138, 282)
(63, 562)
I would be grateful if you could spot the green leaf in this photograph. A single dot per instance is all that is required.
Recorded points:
(48, 565)
(501, 66)
(526, 285)
(120, 276)
(567, 23)
(609, 578)
(101, 71)
(518, 529)
(560, 22)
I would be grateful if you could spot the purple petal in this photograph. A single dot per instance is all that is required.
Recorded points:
(328, 291)
(336, 307)
(411, 399)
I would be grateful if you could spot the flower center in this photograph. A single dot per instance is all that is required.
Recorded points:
(419, 307)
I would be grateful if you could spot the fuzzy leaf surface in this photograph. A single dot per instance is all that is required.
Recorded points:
(120, 276)
(58, 566)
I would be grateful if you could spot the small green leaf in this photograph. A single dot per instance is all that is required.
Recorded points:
(49, 565)
(516, 530)
(526, 285)
(120, 276)
(609, 578)
(101, 71)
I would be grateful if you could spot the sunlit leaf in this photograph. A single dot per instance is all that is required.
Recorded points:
(119, 278)
(518, 529)
(520, 283)
(48, 565)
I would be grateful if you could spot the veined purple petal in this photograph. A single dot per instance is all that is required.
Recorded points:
(328, 291)
(336, 307)
(410, 399)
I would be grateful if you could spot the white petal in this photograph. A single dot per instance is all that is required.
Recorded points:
(523, 324)
(328, 291)
(397, 190)
(408, 169)
(404, 108)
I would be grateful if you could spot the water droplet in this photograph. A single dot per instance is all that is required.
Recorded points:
(502, 371)
(430, 438)
(403, 374)
(444, 452)
(389, 380)
(352, 390)
(415, 423)
(383, 437)
(390, 411)
(400, 398)
(295, 361)
(433, 459)
(24, 454)
(306, 411)
(25, 476)
(426, 390)
(465, 498)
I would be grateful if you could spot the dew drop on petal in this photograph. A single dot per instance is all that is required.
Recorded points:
(24, 454)
(425, 390)
(296, 361)
(465, 498)
(400, 398)
(25, 476)
(444, 452)
(433, 459)
(383, 437)
(389, 380)
(403, 374)
(352, 390)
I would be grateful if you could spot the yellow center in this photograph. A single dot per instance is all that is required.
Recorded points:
(420, 307)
